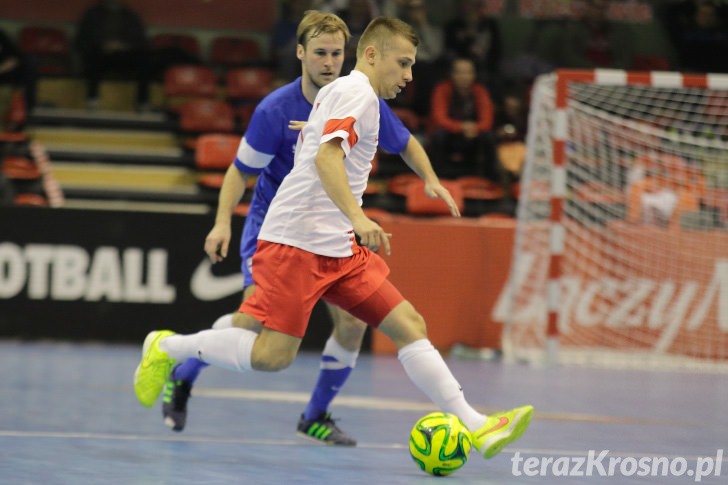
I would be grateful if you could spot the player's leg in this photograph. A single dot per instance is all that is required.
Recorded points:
(427, 369)
(337, 362)
(286, 315)
(179, 383)
(178, 388)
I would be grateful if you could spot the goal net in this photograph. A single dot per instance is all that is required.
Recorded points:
(621, 253)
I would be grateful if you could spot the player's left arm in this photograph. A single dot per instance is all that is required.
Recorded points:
(416, 158)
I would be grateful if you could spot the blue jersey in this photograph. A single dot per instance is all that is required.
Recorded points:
(267, 151)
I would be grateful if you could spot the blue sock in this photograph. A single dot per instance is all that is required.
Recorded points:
(336, 365)
(189, 370)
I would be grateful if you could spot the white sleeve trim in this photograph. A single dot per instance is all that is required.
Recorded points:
(251, 157)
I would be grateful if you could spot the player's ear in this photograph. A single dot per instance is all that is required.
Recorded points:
(370, 54)
(299, 52)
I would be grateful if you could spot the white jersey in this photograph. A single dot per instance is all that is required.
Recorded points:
(302, 214)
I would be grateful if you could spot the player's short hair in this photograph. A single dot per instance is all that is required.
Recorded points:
(315, 23)
(381, 30)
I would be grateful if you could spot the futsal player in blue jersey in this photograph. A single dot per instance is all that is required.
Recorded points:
(267, 151)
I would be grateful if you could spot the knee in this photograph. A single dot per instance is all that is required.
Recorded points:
(404, 325)
(274, 351)
(265, 360)
(243, 320)
(349, 331)
(418, 326)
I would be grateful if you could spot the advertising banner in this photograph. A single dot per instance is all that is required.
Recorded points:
(115, 275)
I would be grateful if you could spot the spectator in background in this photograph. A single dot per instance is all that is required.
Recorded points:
(15, 72)
(357, 14)
(593, 41)
(510, 129)
(283, 41)
(698, 30)
(462, 121)
(473, 36)
(429, 53)
(112, 38)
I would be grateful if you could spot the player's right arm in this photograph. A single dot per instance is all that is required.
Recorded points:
(329, 163)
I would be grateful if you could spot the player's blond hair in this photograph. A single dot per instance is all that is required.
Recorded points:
(381, 30)
(315, 23)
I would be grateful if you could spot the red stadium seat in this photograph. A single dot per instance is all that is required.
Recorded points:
(190, 81)
(48, 47)
(480, 188)
(398, 184)
(650, 63)
(206, 116)
(228, 52)
(20, 168)
(419, 203)
(248, 83)
(216, 151)
(34, 200)
(17, 114)
(185, 42)
(378, 215)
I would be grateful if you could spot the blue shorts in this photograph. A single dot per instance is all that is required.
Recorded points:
(249, 242)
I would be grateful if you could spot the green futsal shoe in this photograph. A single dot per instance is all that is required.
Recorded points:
(152, 372)
(501, 429)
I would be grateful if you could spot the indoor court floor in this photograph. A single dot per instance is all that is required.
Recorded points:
(68, 415)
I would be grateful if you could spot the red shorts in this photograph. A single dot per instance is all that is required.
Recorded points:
(289, 281)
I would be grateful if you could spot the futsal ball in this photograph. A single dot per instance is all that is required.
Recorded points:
(440, 443)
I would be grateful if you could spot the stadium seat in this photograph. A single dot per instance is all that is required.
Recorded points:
(206, 116)
(216, 151)
(419, 203)
(190, 81)
(242, 209)
(249, 84)
(228, 52)
(17, 114)
(48, 47)
(650, 63)
(34, 200)
(480, 188)
(20, 168)
(186, 42)
(378, 215)
(398, 184)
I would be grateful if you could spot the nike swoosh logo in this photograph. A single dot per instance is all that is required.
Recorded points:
(206, 286)
(503, 422)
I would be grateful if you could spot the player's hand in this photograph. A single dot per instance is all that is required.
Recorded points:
(296, 125)
(217, 242)
(436, 190)
(372, 235)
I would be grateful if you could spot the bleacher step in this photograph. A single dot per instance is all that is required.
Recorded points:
(111, 146)
(73, 176)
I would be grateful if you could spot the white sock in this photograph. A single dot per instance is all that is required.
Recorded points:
(225, 321)
(344, 358)
(230, 348)
(427, 369)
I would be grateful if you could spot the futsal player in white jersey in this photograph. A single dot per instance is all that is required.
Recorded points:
(307, 251)
(267, 150)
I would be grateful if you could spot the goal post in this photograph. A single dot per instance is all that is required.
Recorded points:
(621, 252)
